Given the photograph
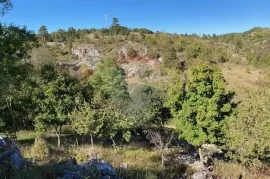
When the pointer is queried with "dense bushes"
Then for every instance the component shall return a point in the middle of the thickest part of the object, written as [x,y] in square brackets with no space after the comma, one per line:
[249,134]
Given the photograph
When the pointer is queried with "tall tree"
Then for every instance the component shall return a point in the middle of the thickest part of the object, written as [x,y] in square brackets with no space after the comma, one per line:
[205,107]
[43,33]
[115,22]
[56,95]
[15,42]
[115,27]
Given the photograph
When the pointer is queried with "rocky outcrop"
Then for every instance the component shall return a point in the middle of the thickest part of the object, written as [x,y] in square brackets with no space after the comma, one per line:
[86,54]
[93,168]
[134,51]
[10,154]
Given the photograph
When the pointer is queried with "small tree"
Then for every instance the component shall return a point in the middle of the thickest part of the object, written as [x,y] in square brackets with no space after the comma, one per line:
[204,108]
[85,121]
[162,139]
[145,107]
[112,119]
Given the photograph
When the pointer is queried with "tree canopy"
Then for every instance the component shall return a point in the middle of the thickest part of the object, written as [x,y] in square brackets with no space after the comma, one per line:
[204,108]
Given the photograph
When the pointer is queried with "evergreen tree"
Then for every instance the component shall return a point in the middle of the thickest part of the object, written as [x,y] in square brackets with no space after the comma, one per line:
[109,80]
[203,107]
[43,33]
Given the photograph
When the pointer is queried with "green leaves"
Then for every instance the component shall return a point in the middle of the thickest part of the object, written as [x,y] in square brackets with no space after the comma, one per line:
[249,132]
[201,105]
[56,94]
[109,80]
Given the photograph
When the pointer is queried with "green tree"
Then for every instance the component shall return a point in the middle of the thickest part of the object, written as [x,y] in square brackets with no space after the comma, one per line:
[115,22]
[109,80]
[145,107]
[85,121]
[56,94]
[202,107]
[112,119]
[43,33]
[249,132]
[15,42]
[170,59]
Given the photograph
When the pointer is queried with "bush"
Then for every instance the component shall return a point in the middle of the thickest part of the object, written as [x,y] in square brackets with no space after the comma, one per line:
[40,149]
[249,134]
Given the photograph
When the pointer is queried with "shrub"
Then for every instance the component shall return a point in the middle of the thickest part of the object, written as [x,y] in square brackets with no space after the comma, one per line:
[40,149]
[249,134]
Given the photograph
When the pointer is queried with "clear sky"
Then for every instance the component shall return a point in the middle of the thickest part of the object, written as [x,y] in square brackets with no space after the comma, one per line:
[174,16]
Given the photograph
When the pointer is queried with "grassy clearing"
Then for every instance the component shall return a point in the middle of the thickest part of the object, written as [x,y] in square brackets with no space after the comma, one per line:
[135,160]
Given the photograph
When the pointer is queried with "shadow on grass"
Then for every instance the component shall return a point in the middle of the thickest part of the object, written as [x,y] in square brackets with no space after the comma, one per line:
[53,171]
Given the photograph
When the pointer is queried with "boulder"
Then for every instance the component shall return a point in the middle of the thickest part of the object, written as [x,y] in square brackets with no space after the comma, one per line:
[93,168]
[10,154]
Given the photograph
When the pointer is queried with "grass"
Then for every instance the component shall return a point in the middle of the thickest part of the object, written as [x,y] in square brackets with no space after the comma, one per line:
[133,161]
[230,170]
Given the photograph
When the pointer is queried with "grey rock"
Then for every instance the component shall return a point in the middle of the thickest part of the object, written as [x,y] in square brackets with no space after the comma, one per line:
[200,174]
[16,160]
[87,55]
[11,154]
[92,168]
[71,175]
[3,143]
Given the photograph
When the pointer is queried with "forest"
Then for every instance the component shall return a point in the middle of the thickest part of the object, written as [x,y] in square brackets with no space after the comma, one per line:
[151,104]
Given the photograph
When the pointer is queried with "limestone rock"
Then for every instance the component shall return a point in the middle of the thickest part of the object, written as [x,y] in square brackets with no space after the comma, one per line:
[93,168]
[86,54]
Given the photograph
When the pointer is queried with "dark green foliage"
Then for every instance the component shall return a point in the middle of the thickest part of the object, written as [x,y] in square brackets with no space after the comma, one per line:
[57,94]
[43,34]
[143,31]
[205,107]
[170,59]
[112,119]
[14,105]
[15,48]
[109,80]
[146,106]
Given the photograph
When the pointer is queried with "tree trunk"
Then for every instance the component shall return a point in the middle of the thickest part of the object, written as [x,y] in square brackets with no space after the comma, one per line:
[201,156]
[77,143]
[58,134]
[162,160]
[58,140]
[92,142]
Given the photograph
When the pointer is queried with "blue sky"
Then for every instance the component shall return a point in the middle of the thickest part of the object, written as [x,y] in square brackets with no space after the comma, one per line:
[174,16]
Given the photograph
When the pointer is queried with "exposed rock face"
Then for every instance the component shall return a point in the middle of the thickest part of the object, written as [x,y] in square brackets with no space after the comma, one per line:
[94,168]
[134,51]
[10,154]
[86,54]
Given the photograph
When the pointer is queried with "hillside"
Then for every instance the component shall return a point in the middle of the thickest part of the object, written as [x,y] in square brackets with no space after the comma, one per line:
[151,104]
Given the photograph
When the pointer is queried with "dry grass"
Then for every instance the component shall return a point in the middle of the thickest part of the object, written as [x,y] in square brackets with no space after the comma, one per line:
[131,156]
[240,78]
[235,171]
